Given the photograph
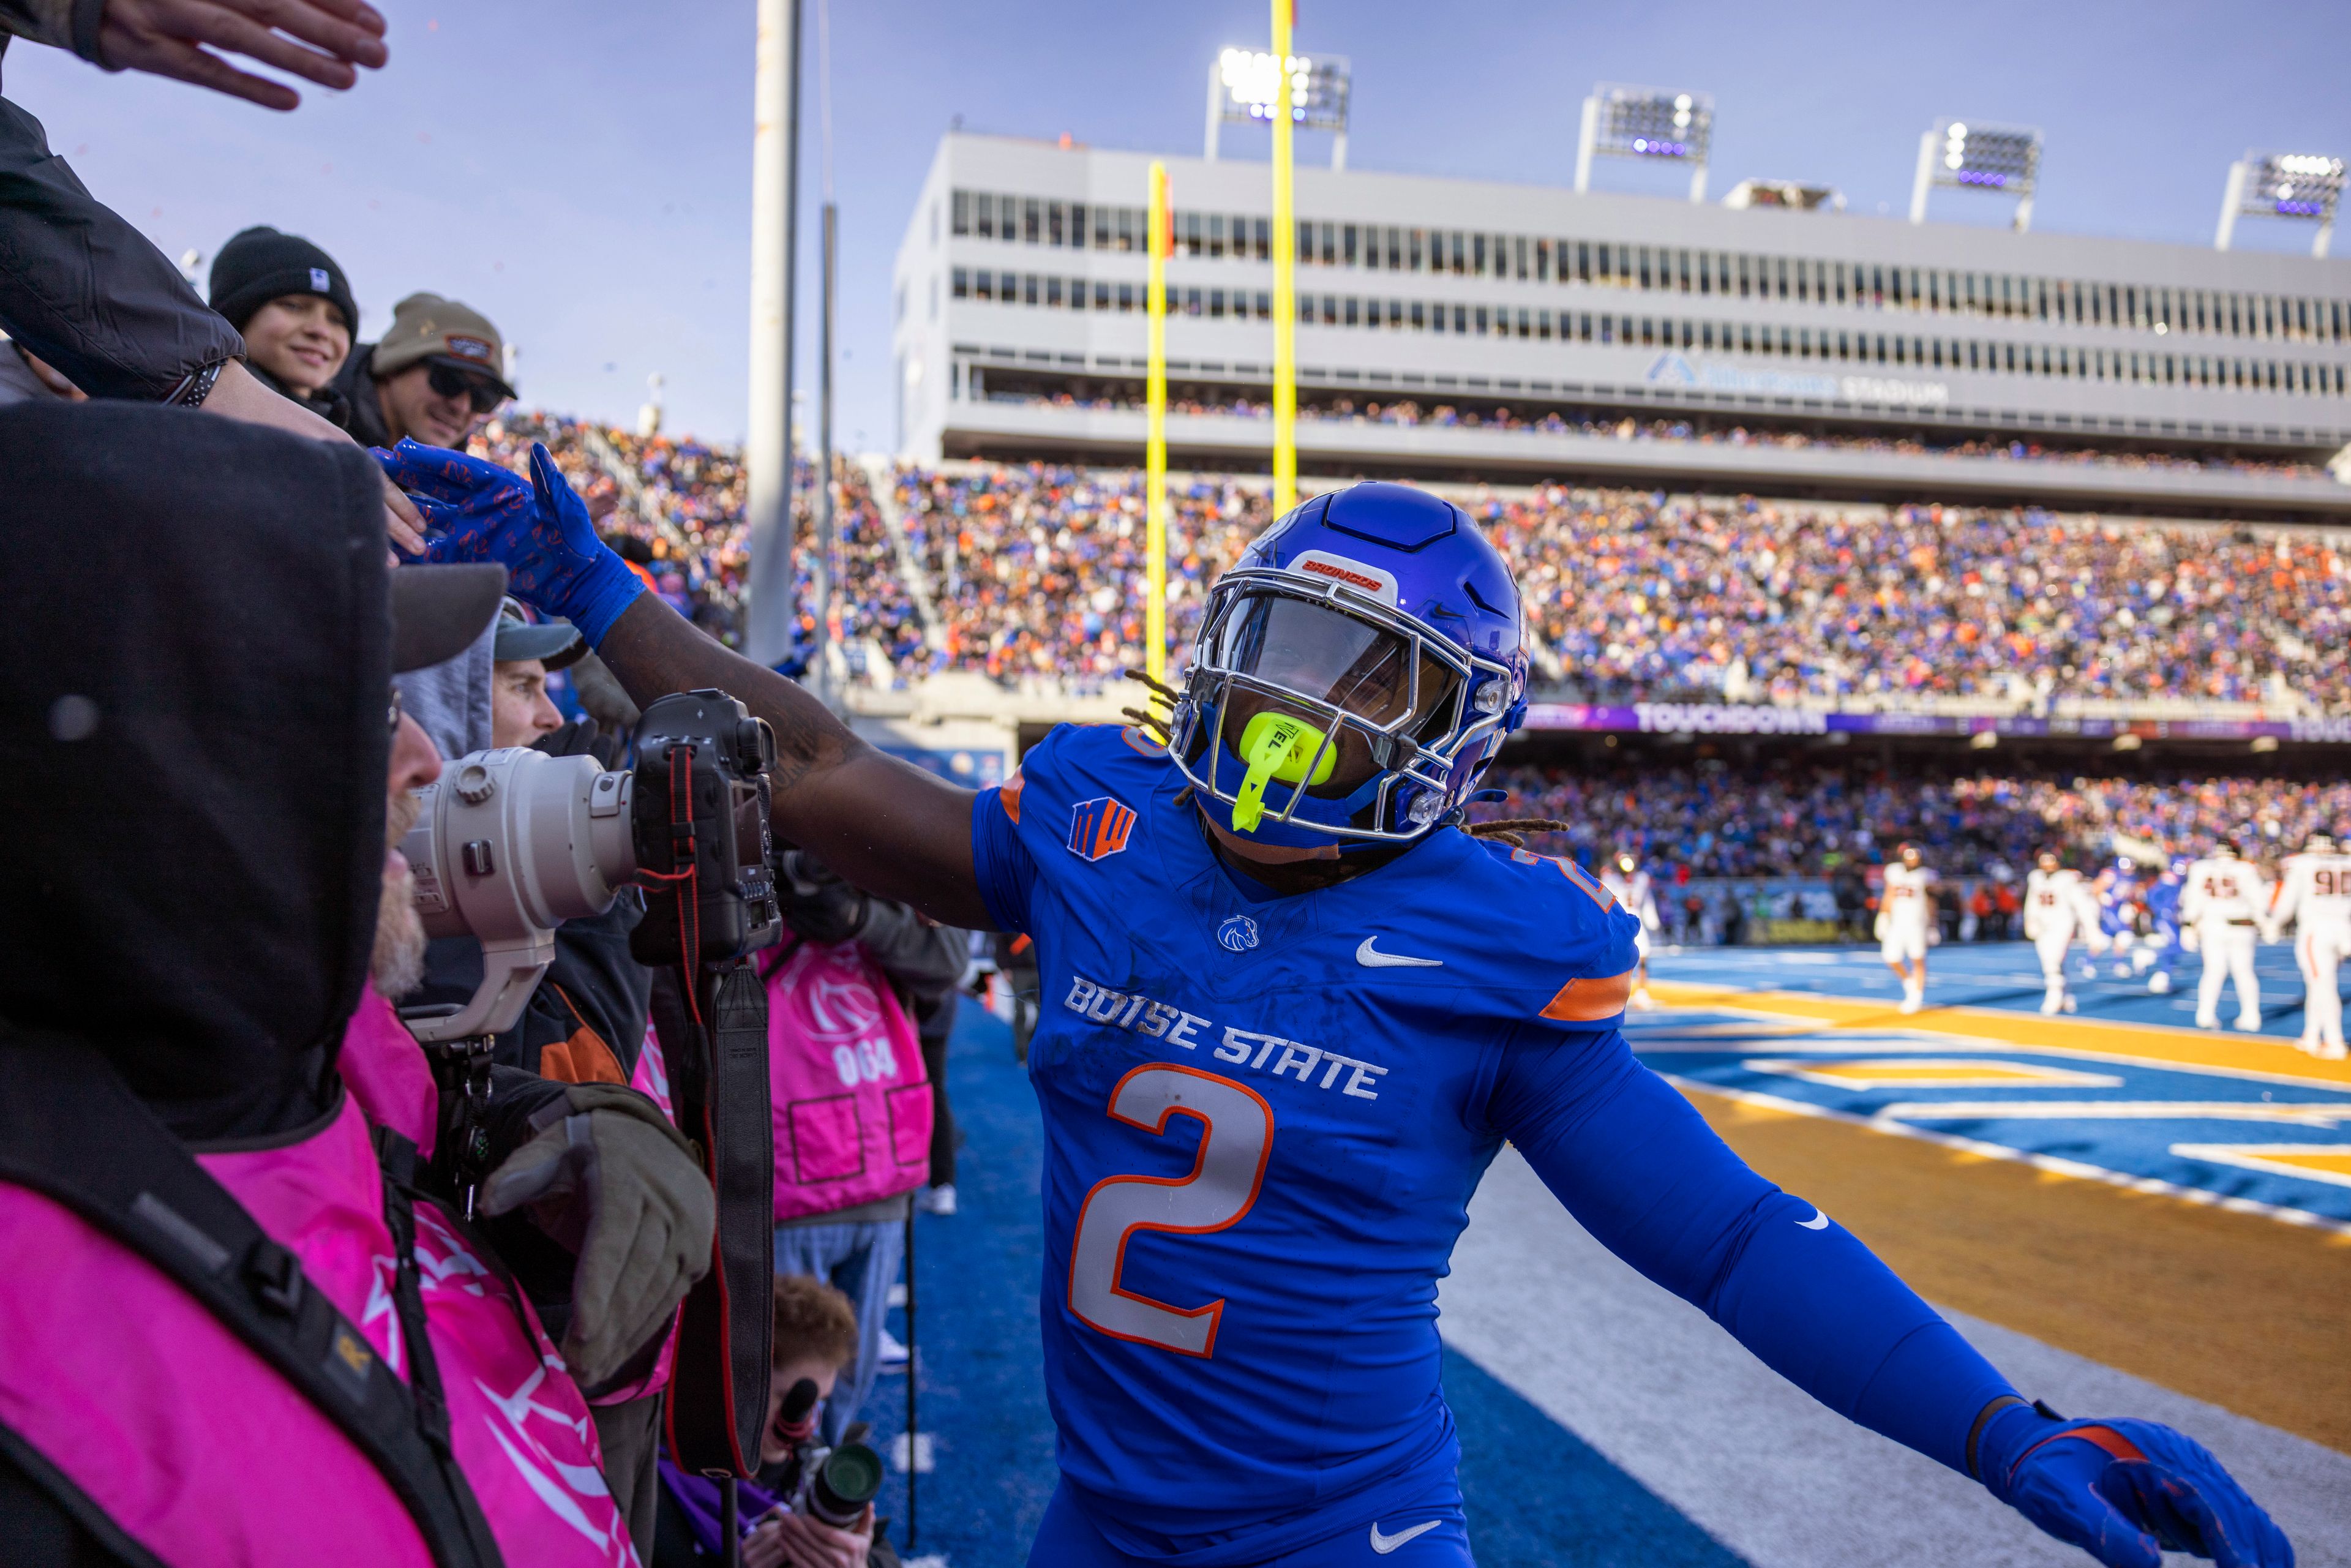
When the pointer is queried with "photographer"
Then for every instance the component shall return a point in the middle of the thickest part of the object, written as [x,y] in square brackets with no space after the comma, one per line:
[815,1340]
[586,1020]
[841,992]
[584,1025]
[202,1347]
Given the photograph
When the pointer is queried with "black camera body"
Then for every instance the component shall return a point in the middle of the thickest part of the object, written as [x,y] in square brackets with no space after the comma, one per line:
[699,816]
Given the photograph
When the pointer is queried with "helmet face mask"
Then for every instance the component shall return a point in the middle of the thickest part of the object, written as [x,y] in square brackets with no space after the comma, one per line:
[1388,719]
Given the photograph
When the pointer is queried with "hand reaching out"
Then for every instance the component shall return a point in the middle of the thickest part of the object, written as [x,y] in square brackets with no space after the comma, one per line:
[317,40]
[537,529]
[2125,1491]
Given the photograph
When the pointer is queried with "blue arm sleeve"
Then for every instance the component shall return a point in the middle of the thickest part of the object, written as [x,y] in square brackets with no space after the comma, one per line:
[1640,1169]
[1006,872]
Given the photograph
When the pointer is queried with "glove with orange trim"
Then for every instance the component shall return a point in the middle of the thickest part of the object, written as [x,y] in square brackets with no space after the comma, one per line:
[2124,1491]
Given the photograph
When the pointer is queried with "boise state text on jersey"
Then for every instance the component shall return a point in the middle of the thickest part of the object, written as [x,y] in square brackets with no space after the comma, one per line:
[1265,1119]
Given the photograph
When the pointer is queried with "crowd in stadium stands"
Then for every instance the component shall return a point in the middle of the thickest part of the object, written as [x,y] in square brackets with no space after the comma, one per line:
[1813,822]
[1036,572]
[1039,571]
[1633,597]
[684,503]
[1408,411]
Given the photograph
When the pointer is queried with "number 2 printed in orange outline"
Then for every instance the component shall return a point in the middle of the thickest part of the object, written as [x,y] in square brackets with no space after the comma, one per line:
[1236,1140]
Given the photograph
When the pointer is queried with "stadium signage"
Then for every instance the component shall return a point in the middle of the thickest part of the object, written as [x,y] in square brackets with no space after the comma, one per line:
[1679,369]
[1739,718]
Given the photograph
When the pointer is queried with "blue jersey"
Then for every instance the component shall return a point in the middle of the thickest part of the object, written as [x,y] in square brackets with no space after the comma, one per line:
[2117,897]
[2163,906]
[1264,1118]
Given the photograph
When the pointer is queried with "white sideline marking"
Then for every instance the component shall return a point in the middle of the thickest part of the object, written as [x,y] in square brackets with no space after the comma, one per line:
[925,1459]
[1786,1483]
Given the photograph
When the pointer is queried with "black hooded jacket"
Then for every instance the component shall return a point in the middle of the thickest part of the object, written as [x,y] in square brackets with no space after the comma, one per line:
[192,751]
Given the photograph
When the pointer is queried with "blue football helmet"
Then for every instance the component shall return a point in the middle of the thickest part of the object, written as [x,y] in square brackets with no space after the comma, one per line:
[1354,673]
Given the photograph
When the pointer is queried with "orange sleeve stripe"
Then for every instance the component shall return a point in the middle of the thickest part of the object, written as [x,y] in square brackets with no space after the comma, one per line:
[1009,797]
[1592,998]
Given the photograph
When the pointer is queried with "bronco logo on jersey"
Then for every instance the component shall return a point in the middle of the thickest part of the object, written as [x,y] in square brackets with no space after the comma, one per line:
[1099,827]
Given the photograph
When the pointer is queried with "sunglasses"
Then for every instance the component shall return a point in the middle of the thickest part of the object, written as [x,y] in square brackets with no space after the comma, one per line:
[395,712]
[448,381]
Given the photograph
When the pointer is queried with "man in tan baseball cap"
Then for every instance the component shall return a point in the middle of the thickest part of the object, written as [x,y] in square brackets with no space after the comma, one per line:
[436,373]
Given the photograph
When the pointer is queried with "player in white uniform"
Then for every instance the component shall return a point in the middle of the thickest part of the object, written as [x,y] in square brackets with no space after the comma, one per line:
[1632,887]
[2226,895]
[1906,915]
[2057,904]
[2314,893]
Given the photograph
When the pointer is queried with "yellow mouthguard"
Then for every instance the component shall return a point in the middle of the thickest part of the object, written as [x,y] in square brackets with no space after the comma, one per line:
[1278,746]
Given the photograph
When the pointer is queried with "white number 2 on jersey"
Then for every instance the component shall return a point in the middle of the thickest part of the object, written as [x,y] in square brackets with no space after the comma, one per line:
[1236,1139]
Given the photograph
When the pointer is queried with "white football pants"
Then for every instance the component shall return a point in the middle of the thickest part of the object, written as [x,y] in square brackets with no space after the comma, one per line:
[2228,956]
[2319,949]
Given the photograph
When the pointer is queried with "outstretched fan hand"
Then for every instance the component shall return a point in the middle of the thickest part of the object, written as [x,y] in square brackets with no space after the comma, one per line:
[538,528]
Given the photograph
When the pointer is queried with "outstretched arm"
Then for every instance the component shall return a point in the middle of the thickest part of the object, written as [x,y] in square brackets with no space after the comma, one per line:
[885,825]
[1643,1174]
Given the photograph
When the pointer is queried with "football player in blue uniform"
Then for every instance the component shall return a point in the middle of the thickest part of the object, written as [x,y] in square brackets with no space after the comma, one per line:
[2163,916]
[2119,890]
[1290,1011]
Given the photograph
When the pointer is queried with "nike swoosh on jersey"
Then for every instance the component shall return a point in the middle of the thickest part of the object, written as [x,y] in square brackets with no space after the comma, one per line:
[1819,1221]
[1384,1545]
[1371,957]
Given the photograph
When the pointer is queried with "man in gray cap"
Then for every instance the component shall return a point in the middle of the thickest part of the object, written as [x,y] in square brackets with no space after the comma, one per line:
[433,378]
[524,655]
[436,373]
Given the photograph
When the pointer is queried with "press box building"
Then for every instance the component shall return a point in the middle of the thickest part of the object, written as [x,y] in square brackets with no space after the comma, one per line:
[1525,325]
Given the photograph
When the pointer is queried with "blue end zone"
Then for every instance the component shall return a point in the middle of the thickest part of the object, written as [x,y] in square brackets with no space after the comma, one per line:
[1538,1496]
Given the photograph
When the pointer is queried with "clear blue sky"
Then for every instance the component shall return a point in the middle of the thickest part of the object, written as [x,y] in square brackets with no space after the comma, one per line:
[580,171]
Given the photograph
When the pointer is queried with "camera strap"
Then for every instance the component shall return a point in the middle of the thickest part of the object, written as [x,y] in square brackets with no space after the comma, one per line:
[718,1080]
[150,1194]
[461,1146]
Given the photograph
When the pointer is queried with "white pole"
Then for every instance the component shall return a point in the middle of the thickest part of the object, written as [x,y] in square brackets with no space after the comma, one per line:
[2319,242]
[826,527]
[1926,177]
[1339,151]
[1216,111]
[767,443]
[2023,213]
[1585,140]
[2232,196]
[1697,184]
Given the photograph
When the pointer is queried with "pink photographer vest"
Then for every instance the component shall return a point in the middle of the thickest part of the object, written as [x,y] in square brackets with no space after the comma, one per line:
[853,1104]
[199,1452]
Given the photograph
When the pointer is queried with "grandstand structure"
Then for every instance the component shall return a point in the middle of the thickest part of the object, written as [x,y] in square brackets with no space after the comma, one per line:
[1470,329]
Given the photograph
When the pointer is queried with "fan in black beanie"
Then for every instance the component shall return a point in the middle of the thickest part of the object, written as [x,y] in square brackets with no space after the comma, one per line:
[294,307]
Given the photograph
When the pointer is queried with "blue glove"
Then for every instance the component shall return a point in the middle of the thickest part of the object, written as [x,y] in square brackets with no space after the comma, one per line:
[539,530]
[2125,1491]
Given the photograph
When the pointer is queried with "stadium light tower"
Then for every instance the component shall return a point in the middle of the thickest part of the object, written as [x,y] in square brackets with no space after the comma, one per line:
[2302,185]
[1647,123]
[1243,84]
[2005,159]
